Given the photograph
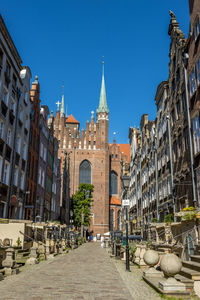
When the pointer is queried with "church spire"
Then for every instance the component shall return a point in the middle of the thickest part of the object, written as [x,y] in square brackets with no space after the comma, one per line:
[62,110]
[103,101]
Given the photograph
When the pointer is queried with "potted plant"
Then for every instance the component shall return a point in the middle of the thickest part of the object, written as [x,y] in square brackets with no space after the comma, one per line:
[169,219]
[154,220]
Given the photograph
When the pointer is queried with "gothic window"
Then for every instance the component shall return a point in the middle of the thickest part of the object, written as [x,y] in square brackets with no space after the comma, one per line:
[113,183]
[111,219]
[118,219]
[85,172]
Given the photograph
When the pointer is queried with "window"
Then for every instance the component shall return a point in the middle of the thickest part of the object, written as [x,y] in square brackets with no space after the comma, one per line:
[196,135]
[178,111]
[1,57]
[1,165]
[43,179]
[180,145]
[21,113]
[113,183]
[8,139]
[26,97]
[8,68]
[183,99]
[118,219]
[173,116]
[24,151]
[111,219]
[22,181]
[175,151]
[12,106]
[18,144]
[40,176]
[116,155]
[198,71]
[41,150]
[197,28]
[85,172]
[192,81]
[185,135]
[1,129]
[16,172]
[6,173]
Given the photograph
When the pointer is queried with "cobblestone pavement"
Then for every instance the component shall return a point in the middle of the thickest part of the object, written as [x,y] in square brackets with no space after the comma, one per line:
[85,273]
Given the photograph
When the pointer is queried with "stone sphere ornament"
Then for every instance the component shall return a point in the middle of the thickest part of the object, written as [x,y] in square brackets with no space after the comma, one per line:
[170,264]
[151,258]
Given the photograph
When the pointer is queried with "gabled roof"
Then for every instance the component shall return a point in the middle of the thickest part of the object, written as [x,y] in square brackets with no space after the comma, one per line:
[72,120]
[125,148]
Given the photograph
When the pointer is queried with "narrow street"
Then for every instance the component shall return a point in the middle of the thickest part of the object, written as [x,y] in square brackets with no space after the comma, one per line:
[85,273]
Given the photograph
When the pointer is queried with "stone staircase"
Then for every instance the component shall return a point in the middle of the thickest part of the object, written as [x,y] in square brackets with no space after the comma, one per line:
[191,269]
[21,256]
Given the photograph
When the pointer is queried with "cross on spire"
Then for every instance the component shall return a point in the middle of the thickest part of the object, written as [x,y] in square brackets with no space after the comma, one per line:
[58,105]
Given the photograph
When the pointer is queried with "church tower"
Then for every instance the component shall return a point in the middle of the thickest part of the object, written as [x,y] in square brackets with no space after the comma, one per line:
[88,153]
[103,116]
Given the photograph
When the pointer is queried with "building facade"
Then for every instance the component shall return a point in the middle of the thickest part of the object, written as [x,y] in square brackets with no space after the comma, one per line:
[193,70]
[14,127]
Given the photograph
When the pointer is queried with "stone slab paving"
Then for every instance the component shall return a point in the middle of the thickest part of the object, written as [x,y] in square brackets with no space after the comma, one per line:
[87,273]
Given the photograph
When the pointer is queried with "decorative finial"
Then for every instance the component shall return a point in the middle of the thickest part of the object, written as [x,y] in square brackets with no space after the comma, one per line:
[103,65]
[36,79]
[63,87]
[172,14]
[58,105]
[92,112]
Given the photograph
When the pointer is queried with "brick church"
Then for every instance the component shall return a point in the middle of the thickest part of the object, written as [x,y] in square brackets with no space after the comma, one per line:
[93,160]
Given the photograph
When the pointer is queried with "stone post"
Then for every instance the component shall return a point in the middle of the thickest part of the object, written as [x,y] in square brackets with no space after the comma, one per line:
[171,265]
[137,255]
[151,258]
[9,263]
[32,260]
[47,248]
[142,252]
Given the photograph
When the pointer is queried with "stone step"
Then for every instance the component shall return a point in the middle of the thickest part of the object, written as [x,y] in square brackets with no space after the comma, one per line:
[189,283]
[191,274]
[160,249]
[193,265]
[195,258]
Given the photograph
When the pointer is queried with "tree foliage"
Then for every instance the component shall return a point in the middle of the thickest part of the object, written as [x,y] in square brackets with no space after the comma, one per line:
[82,201]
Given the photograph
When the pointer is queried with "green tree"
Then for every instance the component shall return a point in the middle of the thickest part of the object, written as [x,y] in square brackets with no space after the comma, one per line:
[82,201]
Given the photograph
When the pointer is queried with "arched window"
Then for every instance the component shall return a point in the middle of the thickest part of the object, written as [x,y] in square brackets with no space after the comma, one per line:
[113,183]
[118,219]
[85,172]
[111,219]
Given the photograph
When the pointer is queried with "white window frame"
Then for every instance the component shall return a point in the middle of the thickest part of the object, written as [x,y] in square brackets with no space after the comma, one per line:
[2,125]
[6,173]
[192,82]
[198,70]
[9,137]
[197,28]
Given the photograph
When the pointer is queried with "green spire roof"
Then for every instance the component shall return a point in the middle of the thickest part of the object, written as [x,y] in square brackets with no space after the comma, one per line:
[103,107]
[62,110]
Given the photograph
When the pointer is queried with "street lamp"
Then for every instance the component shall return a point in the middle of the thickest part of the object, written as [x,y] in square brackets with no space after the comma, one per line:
[71,216]
[126,181]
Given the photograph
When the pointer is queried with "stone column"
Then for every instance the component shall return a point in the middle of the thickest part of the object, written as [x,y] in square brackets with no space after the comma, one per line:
[8,263]
[137,255]
[47,248]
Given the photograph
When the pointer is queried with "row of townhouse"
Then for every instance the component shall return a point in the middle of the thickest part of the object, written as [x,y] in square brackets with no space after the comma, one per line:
[30,170]
[165,153]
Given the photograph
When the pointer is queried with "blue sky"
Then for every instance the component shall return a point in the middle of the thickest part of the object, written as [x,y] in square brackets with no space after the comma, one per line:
[65,40]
